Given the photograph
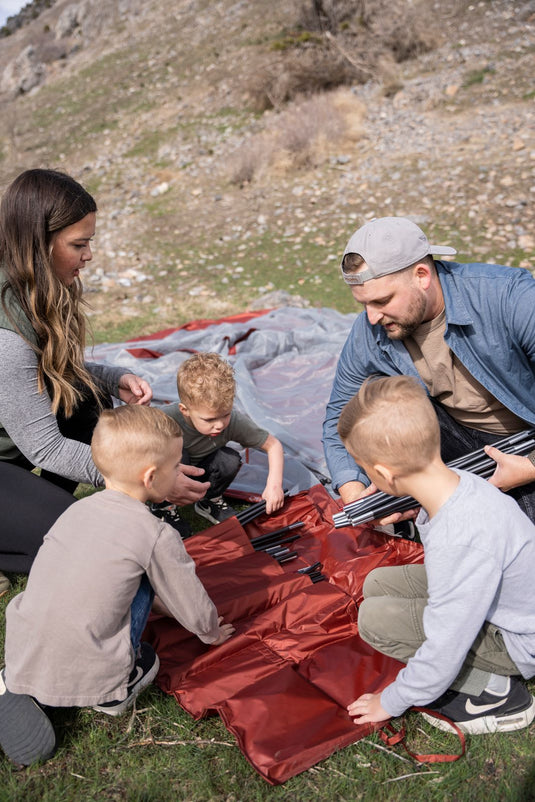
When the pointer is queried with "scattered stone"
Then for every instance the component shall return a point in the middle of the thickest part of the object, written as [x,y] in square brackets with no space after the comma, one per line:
[526,242]
[161,189]
[276,299]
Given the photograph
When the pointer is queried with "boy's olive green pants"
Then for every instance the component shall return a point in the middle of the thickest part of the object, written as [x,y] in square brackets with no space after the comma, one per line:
[391,620]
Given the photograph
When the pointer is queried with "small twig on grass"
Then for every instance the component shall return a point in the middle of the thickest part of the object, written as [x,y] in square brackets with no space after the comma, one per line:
[406,776]
[196,742]
[131,720]
[341,774]
[424,733]
[388,751]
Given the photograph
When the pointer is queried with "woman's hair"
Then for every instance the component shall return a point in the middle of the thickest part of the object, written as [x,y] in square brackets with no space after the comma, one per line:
[391,421]
[128,439]
[37,205]
[206,380]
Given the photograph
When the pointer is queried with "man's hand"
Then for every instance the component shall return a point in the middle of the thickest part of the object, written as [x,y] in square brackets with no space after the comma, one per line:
[511,470]
[351,491]
[134,390]
[225,631]
[367,708]
[187,490]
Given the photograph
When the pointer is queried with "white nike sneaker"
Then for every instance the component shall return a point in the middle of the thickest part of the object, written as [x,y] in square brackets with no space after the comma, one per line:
[145,669]
[488,712]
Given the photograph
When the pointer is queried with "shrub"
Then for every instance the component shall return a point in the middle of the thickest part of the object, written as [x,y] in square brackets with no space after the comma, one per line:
[302,135]
[337,42]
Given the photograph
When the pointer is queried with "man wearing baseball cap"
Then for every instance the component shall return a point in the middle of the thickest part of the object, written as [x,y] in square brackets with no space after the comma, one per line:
[466,331]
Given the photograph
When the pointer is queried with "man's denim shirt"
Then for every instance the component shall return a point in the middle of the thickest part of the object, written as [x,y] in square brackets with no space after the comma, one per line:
[490,327]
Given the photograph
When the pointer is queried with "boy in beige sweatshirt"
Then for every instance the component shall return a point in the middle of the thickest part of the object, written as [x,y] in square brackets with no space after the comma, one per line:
[73,636]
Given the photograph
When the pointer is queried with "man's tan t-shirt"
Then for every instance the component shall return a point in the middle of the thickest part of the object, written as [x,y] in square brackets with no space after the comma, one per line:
[450,383]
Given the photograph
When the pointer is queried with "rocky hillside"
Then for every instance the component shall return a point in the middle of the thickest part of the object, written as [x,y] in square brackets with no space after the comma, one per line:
[229,166]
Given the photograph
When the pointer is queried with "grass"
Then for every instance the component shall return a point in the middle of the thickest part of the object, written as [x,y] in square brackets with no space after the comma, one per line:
[477,76]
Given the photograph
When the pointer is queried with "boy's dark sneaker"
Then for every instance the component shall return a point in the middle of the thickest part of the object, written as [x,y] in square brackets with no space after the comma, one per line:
[169,513]
[214,510]
[488,712]
[26,733]
[145,669]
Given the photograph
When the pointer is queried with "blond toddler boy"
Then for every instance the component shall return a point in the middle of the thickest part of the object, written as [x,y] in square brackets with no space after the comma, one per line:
[463,622]
[205,413]
[73,636]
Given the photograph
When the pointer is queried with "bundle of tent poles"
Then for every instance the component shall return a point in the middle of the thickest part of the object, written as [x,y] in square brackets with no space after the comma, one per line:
[277,542]
[254,511]
[380,505]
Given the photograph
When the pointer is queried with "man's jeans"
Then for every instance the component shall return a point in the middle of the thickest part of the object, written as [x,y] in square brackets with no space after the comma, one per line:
[458,440]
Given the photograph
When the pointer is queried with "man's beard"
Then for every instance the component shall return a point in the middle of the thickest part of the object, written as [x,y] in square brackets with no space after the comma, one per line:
[412,320]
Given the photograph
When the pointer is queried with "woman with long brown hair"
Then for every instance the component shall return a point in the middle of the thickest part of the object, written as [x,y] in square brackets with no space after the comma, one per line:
[50,397]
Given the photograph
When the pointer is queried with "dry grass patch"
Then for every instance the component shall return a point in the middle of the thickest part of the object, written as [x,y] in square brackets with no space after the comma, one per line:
[304,135]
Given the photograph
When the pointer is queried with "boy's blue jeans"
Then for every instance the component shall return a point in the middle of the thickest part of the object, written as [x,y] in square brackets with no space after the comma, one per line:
[139,611]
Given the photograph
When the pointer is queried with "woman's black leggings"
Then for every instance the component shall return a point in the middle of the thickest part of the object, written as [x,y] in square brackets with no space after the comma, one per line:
[30,504]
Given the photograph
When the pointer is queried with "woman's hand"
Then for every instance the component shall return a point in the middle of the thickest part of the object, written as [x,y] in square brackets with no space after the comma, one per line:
[134,390]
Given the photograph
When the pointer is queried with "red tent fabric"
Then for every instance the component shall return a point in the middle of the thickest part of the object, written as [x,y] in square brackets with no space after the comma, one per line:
[282,682]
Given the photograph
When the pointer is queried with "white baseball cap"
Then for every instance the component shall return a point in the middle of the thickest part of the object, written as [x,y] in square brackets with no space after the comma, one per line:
[389,244]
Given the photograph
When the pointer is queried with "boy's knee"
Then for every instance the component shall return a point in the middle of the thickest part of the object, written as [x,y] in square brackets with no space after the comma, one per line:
[231,459]
[376,617]
[368,620]
[373,584]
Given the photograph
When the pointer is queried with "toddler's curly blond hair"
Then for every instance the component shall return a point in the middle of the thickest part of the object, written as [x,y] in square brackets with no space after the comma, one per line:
[207,380]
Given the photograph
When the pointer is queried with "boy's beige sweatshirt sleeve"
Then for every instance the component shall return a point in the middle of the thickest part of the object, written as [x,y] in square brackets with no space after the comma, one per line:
[174,579]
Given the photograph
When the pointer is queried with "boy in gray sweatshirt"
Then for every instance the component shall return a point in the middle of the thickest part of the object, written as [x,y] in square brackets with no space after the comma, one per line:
[464,621]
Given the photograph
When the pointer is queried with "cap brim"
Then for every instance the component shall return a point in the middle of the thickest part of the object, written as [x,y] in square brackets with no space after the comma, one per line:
[442,250]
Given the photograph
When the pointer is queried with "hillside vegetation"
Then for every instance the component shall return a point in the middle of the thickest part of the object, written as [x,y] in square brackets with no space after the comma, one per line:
[232,151]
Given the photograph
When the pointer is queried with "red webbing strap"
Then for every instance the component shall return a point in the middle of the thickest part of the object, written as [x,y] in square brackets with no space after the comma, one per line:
[398,737]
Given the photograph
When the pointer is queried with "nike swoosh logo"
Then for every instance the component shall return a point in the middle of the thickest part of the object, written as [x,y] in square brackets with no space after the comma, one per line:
[139,674]
[474,710]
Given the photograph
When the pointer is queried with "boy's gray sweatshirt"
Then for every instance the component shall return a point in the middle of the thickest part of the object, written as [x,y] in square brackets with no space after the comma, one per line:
[479,557]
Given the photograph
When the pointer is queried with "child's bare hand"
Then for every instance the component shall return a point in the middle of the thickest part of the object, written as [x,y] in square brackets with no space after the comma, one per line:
[225,631]
[367,708]
[274,498]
